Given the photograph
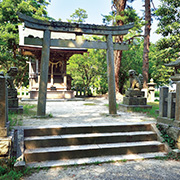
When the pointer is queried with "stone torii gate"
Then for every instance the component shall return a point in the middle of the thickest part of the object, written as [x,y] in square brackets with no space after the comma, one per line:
[79,29]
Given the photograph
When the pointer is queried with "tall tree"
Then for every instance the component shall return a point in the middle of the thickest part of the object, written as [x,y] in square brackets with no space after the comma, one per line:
[9,35]
[168,46]
[119,5]
[89,70]
[123,14]
[79,16]
[145,68]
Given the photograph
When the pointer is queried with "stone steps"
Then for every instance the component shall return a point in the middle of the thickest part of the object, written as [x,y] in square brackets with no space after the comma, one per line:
[86,151]
[96,160]
[83,129]
[83,139]
[68,144]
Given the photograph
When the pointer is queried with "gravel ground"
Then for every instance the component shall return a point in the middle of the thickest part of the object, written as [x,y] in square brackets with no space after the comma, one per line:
[94,111]
[133,170]
[90,111]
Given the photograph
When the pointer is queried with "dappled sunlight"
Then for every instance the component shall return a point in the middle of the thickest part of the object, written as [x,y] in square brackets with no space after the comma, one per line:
[75,112]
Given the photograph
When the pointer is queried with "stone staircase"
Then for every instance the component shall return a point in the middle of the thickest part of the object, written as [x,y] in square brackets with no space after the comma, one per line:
[58,146]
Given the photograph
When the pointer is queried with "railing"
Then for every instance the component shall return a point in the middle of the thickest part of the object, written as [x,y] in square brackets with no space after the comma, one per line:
[23,92]
[82,92]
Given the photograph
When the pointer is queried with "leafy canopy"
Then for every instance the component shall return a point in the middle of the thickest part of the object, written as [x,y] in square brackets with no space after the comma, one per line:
[168,47]
[79,16]
[9,35]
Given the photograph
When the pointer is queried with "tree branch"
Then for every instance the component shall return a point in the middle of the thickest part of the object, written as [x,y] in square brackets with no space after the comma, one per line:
[130,40]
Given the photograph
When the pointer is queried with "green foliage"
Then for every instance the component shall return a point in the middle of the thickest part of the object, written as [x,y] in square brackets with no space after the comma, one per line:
[89,104]
[129,16]
[168,47]
[89,70]
[8,172]
[149,112]
[157,93]
[171,142]
[78,16]
[169,156]
[9,34]
[14,119]
[29,109]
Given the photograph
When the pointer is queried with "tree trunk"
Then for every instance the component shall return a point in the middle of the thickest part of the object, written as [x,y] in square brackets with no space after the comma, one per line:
[146,43]
[119,6]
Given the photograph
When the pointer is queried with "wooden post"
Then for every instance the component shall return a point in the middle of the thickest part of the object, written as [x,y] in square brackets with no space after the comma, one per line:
[52,77]
[41,110]
[111,75]
[65,82]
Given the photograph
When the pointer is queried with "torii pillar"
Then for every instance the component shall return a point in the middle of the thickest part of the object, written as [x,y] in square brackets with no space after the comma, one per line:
[41,109]
[111,76]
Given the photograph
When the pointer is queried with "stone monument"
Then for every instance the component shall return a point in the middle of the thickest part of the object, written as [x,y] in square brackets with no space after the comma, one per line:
[12,91]
[4,125]
[5,141]
[134,97]
[176,66]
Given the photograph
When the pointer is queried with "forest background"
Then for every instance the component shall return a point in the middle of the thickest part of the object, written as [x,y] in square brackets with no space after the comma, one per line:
[90,70]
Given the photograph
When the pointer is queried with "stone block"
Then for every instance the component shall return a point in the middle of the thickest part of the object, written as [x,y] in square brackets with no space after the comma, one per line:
[134,101]
[3,132]
[163,102]
[171,105]
[174,133]
[125,108]
[4,147]
[13,103]
[176,152]
[134,93]
[12,93]
[165,121]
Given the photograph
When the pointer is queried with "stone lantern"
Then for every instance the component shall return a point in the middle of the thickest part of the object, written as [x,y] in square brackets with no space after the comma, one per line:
[151,90]
[176,66]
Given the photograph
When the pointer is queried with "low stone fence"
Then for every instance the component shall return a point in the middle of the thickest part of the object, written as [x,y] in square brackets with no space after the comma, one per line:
[82,92]
[23,92]
[169,112]
[167,103]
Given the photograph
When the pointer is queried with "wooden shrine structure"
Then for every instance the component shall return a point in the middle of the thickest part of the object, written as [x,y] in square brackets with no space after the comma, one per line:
[78,29]
[59,82]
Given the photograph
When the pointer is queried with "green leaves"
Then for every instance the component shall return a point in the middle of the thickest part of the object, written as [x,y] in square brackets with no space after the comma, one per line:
[89,70]
[168,47]
[9,34]
[78,16]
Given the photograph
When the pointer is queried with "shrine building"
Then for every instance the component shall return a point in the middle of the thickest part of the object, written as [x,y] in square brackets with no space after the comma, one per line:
[59,82]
